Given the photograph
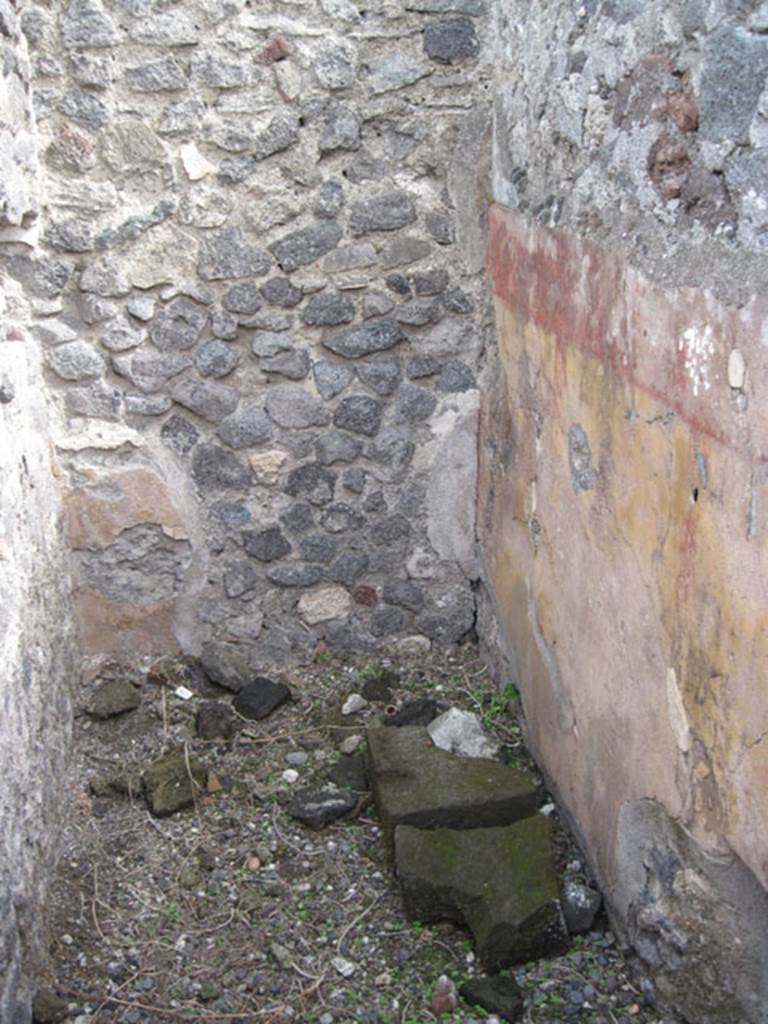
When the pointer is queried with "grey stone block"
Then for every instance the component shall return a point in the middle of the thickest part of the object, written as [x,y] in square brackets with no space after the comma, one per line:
[266,545]
[243,298]
[246,427]
[330,378]
[732,79]
[313,482]
[207,398]
[328,309]
[381,376]
[329,200]
[319,548]
[336,447]
[179,325]
[387,210]
[295,575]
[76,360]
[294,364]
[359,414]
[363,340]
[290,405]
[216,359]
[414,403]
[451,39]
[214,468]
[283,132]
[226,254]
[165,74]
[301,248]
[341,130]
[280,291]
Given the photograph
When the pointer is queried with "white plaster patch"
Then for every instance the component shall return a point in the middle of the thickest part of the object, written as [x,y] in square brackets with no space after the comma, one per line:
[698,346]
[195,164]
[678,719]
[736,369]
[104,436]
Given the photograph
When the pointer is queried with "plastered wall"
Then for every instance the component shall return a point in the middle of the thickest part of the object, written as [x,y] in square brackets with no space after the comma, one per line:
[623,452]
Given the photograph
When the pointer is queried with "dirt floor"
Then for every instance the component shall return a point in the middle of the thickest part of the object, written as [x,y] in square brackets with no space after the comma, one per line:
[233,911]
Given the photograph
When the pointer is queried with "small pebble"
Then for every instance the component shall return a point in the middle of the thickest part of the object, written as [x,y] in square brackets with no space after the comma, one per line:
[296,757]
[350,744]
[382,980]
[290,775]
[345,967]
[353,704]
[67,939]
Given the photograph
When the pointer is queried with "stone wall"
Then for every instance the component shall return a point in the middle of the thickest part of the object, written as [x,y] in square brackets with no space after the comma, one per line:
[36,635]
[262,304]
[623,460]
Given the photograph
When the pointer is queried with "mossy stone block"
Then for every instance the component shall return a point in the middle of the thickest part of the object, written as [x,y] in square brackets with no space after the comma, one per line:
[172,782]
[415,783]
[500,882]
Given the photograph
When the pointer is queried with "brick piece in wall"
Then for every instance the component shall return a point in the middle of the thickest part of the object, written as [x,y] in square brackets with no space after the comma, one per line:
[451,39]
[359,414]
[86,24]
[331,378]
[312,482]
[209,399]
[266,545]
[227,254]
[328,310]
[414,403]
[246,427]
[363,340]
[214,468]
[382,376]
[386,210]
[165,74]
[301,248]
[178,326]
[290,405]
[216,359]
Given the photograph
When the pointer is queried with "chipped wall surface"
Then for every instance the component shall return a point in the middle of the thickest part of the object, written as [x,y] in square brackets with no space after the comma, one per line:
[262,303]
[36,632]
[623,487]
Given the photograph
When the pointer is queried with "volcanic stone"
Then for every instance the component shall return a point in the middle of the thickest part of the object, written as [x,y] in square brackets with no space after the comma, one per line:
[266,545]
[279,291]
[306,246]
[330,378]
[350,772]
[214,720]
[416,784]
[500,995]
[316,807]
[258,698]
[250,425]
[178,326]
[313,482]
[382,376]
[113,697]
[215,359]
[325,310]
[451,39]
[500,882]
[172,783]
[387,211]
[364,339]
[226,254]
[207,398]
[359,414]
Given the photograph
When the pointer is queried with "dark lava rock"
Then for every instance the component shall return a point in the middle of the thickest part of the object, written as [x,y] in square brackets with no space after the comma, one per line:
[415,783]
[215,720]
[350,772]
[225,664]
[113,697]
[500,882]
[580,906]
[317,807]
[258,698]
[379,683]
[172,782]
[500,995]
[420,711]
[451,39]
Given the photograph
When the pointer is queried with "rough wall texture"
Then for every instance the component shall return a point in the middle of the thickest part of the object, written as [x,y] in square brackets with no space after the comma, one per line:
[36,636]
[623,460]
[262,305]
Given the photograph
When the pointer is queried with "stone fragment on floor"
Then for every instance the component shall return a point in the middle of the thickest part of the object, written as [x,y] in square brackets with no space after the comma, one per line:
[461,733]
[214,720]
[500,995]
[260,697]
[416,784]
[113,697]
[500,882]
[319,806]
[172,782]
